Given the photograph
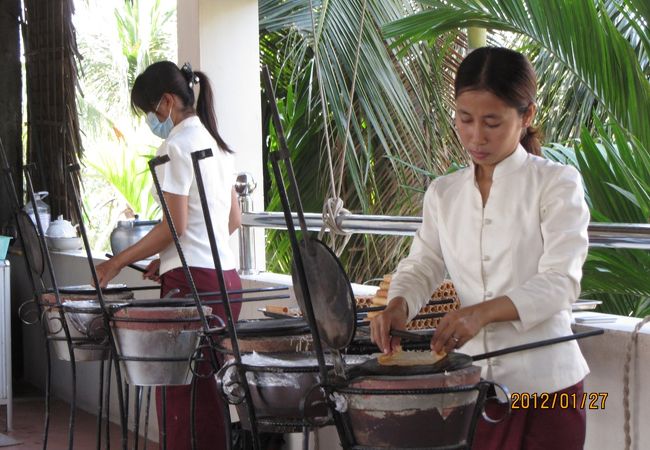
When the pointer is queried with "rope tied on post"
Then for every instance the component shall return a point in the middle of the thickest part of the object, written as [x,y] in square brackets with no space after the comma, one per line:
[631,345]
[332,210]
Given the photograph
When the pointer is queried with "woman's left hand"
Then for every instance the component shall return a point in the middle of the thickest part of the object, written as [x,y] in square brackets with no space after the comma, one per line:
[456,328]
[152,271]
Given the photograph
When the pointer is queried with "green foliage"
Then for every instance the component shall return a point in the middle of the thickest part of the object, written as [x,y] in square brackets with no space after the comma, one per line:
[133,35]
[616,173]
[140,26]
[566,103]
[400,113]
[130,36]
[300,133]
[129,175]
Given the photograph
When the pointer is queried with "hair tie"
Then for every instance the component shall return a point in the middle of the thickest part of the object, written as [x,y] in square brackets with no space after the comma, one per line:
[189,75]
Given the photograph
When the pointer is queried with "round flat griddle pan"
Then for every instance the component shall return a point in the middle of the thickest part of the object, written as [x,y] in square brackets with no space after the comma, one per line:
[271,327]
[455,360]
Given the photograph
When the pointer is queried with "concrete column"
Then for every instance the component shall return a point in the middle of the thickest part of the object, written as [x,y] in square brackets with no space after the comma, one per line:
[221,38]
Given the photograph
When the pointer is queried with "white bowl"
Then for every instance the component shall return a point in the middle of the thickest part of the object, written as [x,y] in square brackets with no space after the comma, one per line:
[64,243]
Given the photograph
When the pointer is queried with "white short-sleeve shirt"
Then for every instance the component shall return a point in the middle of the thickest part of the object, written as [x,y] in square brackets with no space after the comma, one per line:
[529,242]
[177,177]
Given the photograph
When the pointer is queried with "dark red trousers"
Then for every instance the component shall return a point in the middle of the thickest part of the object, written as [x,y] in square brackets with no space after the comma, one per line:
[535,428]
[209,420]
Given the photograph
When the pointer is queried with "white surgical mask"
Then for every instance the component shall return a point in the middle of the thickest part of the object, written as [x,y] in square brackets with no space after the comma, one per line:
[160,129]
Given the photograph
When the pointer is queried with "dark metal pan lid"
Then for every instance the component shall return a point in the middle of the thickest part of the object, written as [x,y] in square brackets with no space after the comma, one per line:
[31,243]
[330,292]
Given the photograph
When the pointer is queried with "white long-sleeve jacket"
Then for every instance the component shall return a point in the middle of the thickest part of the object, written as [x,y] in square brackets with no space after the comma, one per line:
[529,242]
[177,177]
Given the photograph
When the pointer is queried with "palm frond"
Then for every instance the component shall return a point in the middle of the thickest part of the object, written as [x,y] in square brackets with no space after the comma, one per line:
[129,175]
[579,34]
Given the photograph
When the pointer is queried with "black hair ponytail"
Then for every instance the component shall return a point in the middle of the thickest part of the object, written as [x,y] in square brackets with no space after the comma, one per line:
[205,110]
[165,77]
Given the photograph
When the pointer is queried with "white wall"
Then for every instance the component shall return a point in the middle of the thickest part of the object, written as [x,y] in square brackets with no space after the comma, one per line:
[221,39]
[606,357]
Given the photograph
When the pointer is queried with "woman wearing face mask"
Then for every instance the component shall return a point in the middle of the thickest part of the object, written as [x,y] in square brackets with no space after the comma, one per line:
[165,94]
[510,231]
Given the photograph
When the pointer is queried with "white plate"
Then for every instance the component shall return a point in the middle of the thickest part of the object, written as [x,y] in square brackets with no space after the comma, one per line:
[585,305]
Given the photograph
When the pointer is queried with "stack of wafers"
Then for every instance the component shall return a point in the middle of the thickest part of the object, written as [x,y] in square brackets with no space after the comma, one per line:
[381,296]
[364,301]
[443,300]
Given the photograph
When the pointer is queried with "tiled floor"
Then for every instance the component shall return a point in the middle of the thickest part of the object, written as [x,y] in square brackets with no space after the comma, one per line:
[28,427]
[28,416]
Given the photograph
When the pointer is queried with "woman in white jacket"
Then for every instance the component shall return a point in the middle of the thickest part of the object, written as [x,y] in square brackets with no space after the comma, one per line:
[510,231]
[165,93]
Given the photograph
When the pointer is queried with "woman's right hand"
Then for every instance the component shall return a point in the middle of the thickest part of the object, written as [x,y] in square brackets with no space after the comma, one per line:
[152,271]
[106,271]
[395,317]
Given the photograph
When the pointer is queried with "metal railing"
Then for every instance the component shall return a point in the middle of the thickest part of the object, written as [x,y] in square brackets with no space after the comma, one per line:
[620,235]
[353,223]
[602,235]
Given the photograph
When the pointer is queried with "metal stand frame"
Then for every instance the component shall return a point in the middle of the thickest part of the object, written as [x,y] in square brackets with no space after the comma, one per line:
[209,344]
[255,423]
[108,343]
[52,316]
[110,319]
[41,310]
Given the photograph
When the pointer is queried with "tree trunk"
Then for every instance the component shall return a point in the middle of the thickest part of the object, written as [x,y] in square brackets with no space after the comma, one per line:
[11,110]
[51,74]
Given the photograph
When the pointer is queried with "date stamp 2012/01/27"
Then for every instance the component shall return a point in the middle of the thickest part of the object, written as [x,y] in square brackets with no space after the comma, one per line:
[563,400]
